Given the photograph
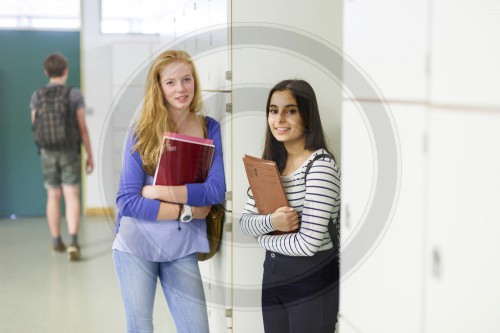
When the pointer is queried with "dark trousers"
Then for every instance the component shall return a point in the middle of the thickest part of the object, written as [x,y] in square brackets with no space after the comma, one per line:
[300,294]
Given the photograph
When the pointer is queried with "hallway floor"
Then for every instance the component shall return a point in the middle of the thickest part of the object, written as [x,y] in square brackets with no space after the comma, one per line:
[42,292]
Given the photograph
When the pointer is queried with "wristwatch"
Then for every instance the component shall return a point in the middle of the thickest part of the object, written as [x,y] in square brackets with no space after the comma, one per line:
[186,215]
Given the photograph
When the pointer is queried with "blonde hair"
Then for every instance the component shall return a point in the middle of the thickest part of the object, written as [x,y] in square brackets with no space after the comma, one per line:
[154,118]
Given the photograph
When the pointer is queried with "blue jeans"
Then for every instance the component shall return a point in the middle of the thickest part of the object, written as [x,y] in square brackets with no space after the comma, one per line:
[182,286]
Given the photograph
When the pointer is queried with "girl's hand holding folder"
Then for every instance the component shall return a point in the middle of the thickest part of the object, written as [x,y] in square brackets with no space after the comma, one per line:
[174,194]
[285,219]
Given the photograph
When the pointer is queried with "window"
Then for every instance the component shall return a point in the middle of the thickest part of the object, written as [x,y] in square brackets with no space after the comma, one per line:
[37,14]
[136,16]
[117,16]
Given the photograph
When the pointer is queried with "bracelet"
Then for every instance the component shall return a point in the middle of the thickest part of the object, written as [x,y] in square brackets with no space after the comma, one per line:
[181,207]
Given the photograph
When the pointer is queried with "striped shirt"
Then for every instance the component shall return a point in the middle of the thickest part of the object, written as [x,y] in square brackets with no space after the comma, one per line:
[315,203]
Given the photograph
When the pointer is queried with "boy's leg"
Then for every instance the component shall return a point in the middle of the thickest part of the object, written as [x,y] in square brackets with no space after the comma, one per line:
[70,164]
[54,211]
[52,182]
[72,202]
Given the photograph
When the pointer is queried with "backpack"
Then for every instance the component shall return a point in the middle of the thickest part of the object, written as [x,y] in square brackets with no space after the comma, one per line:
[55,126]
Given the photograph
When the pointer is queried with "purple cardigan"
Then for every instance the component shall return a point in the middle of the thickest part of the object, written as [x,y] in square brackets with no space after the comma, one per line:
[137,230]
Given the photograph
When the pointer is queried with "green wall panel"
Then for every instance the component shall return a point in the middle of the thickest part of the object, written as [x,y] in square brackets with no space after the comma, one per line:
[21,72]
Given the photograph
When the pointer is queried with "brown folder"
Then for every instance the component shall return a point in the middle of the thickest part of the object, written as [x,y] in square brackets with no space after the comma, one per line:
[265,183]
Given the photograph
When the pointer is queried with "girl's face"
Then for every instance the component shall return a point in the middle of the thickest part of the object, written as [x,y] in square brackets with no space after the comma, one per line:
[177,85]
[284,119]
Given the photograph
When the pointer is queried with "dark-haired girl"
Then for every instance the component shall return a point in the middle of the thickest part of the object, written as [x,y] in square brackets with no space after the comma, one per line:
[301,270]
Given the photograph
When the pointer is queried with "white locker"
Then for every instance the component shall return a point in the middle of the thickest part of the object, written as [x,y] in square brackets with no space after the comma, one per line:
[387,39]
[465,52]
[462,271]
[384,293]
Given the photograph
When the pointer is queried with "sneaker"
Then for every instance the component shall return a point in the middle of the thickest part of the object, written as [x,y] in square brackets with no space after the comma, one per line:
[60,248]
[74,252]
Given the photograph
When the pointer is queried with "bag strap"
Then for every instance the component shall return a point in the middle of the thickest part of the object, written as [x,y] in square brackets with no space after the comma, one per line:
[205,127]
[205,135]
[71,113]
[333,225]
[68,92]
[311,162]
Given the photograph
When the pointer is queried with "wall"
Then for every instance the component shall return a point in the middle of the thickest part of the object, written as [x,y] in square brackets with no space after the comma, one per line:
[21,73]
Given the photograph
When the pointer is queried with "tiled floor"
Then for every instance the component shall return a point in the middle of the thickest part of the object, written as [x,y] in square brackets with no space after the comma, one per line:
[41,292]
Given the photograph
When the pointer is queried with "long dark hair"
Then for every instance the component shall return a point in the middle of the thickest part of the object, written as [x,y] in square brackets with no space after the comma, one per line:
[308,109]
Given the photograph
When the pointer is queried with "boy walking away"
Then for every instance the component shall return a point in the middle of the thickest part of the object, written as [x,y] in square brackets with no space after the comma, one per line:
[59,129]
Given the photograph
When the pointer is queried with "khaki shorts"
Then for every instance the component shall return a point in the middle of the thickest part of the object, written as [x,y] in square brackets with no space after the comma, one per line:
[61,167]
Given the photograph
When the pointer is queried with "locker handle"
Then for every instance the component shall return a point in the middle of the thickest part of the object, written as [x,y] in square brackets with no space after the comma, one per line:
[347,217]
[436,263]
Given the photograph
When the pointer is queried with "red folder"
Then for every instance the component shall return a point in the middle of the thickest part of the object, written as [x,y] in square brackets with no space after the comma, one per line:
[185,159]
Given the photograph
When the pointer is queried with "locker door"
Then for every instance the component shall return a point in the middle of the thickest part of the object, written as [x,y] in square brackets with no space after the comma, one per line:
[462,270]
[384,293]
